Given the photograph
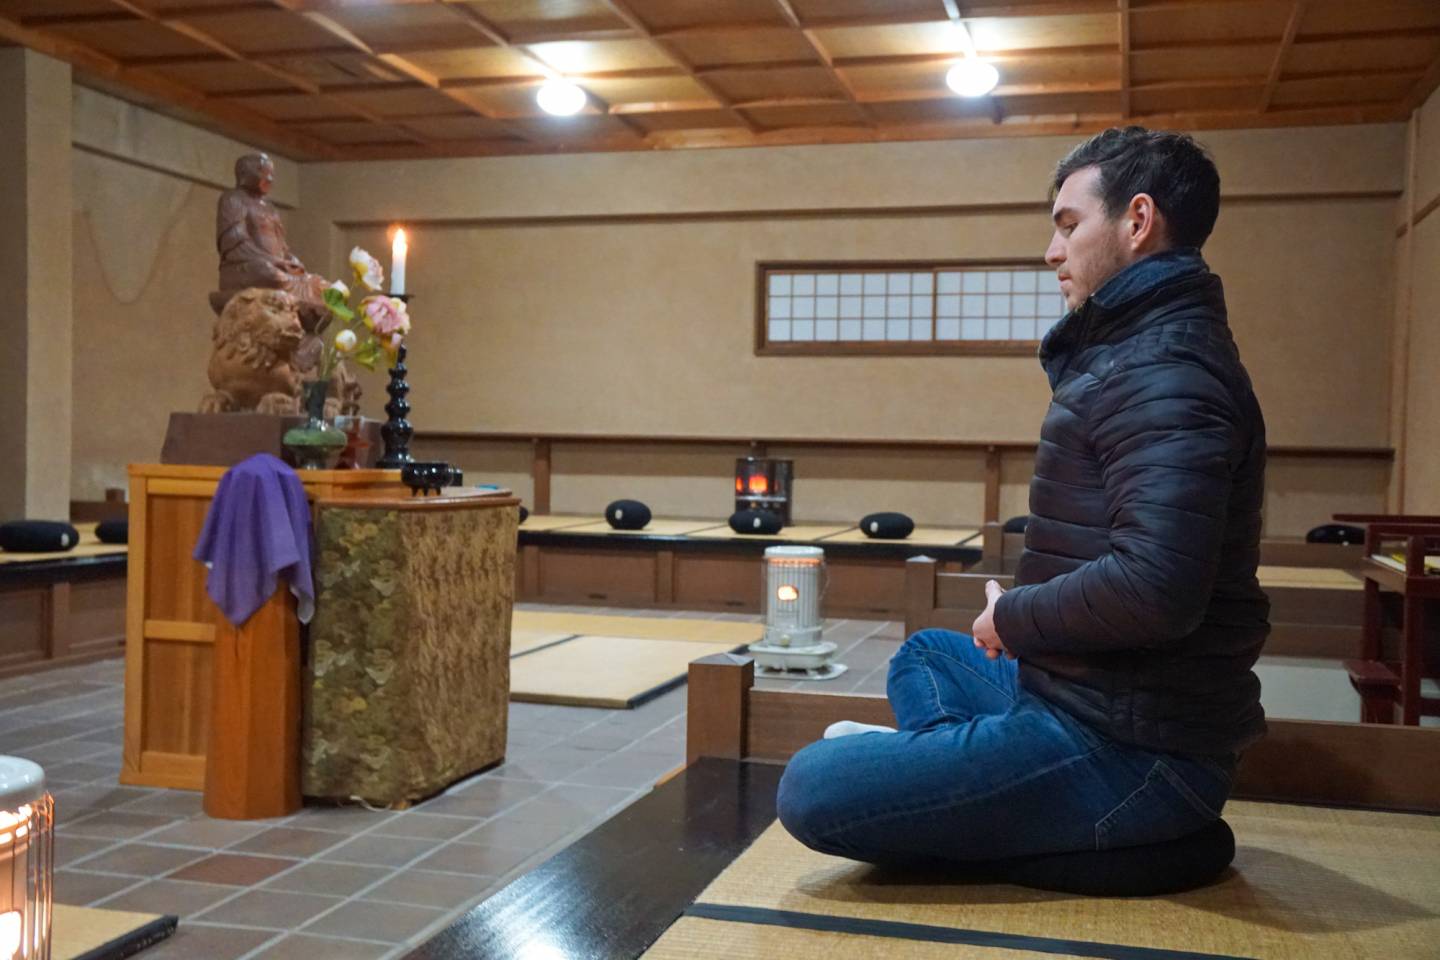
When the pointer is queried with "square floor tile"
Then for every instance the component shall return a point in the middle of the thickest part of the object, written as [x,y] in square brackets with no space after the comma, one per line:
[427,888]
[300,946]
[330,879]
[192,941]
[115,824]
[79,889]
[272,909]
[379,851]
[289,842]
[236,869]
[425,826]
[142,859]
[169,896]
[368,920]
[473,858]
[208,834]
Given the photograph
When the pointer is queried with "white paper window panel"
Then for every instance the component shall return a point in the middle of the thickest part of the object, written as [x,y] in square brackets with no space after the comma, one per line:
[851,284]
[972,328]
[779,329]
[897,329]
[897,283]
[1043,325]
[802,330]
[851,307]
[874,284]
[996,305]
[804,285]
[780,284]
[850,329]
[1051,305]
[829,307]
[827,329]
[802,308]
[948,282]
[1022,305]
[919,329]
[874,307]
[973,281]
[972,305]
[1023,328]
[947,328]
[922,283]
[1024,281]
[898,306]
[947,305]
[997,328]
[998,281]
[779,308]
[827,284]
[920,306]
[873,330]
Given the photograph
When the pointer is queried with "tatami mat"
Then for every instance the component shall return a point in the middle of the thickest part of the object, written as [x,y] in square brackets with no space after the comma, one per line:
[694,938]
[554,521]
[605,671]
[1322,577]
[801,532]
[655,528]
[658,628]
[523,641]
[96,934]
[921,536]
[89,546]
[1307,883]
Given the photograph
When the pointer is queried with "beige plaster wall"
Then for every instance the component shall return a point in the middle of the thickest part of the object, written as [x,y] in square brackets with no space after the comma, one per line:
[1422,402]
[145,188]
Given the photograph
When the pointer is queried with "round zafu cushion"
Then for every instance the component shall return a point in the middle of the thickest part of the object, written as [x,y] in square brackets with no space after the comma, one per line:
[627,515]
[113,531]
[887,526]
[37,536]
[1174,866]
[755,521]
[1016,524]
[1336,533]
[523,513]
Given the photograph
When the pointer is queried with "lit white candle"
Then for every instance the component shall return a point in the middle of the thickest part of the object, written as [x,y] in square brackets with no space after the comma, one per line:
[397,262]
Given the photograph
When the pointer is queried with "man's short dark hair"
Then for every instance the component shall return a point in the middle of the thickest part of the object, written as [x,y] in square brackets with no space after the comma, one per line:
[1171,167]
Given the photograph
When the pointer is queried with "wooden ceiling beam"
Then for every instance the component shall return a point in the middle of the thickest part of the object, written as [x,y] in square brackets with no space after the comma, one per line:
[787,10]
[1124,58]
[1277,66]
[1425,85]
[171,12]
[623,10]
[233,119]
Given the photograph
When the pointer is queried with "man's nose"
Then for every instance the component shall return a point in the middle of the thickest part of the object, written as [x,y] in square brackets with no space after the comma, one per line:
[1055,255]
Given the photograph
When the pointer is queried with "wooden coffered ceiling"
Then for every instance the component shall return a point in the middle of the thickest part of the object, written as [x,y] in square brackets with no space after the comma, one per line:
[371,79]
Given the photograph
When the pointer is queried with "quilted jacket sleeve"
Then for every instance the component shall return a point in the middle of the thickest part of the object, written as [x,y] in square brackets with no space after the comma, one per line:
[1165,433]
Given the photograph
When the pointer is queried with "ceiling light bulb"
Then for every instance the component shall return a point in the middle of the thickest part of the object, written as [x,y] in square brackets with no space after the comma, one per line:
[972,78]
[560,97]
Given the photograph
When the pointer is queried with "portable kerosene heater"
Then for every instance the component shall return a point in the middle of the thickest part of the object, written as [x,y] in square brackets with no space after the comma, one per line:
[27,827]
[794,580]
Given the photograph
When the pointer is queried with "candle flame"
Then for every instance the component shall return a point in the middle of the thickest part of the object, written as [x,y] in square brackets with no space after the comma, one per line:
[400,242]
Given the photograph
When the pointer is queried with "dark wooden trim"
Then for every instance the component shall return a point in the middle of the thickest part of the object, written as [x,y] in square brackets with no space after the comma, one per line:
[616,889]
[899,348]
[993,461]
[910,443]
[540,474]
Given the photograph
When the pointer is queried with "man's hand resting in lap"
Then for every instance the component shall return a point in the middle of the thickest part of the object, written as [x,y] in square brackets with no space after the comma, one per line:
[984,629]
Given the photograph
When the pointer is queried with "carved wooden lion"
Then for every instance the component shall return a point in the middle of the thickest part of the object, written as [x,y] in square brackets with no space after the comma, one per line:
[252,364]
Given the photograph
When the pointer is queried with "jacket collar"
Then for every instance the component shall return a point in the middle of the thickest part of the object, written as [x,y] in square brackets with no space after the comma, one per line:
[1126,299]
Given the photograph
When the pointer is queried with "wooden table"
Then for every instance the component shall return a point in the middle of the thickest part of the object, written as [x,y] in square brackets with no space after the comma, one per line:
[175,640]
[1387,688]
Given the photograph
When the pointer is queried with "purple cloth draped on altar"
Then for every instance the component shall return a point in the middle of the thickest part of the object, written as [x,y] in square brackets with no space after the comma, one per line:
[257,530]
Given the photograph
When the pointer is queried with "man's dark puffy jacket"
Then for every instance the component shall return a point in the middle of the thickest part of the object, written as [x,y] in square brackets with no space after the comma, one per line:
[1136,608]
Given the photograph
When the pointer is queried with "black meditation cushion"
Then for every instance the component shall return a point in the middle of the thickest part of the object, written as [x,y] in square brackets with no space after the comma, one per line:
[523,513]
[113,531]
[1336,533]
[1016,524]
[1174,866]
[755,521]
[887,526]
[37,536]
[627,515]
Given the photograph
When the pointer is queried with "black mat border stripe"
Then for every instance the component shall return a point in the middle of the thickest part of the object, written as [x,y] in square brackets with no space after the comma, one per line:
[545,646]
[129,944]
[933,934]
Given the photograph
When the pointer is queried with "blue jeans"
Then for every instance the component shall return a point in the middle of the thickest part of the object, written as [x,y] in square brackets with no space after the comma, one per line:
[980,769]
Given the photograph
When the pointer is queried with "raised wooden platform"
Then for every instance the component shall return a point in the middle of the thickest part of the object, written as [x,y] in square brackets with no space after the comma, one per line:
[60,612]
[710,567]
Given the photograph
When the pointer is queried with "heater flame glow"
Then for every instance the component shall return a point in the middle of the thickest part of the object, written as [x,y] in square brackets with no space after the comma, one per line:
[787,592]
[9,934]
[758,484]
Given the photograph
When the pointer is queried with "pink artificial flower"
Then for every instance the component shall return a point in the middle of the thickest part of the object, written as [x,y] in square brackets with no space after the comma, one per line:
[386,316]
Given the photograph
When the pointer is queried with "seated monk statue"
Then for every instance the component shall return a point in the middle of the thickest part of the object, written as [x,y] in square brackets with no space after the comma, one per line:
[251,242]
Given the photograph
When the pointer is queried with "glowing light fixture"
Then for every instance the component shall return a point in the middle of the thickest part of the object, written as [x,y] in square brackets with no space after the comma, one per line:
[27,823]
[972,78]
[560,97]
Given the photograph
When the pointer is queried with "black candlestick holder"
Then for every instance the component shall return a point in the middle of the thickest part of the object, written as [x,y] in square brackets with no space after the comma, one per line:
[397,431]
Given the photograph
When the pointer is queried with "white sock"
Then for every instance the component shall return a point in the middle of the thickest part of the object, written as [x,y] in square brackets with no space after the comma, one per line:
[846,728]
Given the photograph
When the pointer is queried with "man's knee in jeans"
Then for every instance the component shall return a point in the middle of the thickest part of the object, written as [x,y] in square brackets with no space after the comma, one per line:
[811,797]
[921,642]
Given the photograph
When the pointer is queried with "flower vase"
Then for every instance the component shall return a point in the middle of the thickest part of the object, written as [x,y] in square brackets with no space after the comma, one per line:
[316,444]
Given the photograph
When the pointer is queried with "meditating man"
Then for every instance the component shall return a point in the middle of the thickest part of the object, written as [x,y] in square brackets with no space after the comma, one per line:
[1102,701]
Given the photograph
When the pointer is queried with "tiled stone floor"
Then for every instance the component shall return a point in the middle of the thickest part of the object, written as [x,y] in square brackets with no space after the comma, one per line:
[347,882]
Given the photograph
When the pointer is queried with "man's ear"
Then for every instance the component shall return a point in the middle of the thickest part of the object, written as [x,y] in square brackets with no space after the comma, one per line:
[1144,226]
